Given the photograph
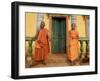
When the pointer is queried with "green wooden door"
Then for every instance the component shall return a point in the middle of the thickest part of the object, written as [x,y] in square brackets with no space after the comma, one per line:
[58,35]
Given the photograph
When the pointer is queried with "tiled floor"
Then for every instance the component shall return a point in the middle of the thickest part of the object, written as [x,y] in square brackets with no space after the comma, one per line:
[57,60]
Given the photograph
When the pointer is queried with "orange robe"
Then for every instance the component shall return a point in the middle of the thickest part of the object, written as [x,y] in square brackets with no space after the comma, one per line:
[73,45]
[42,47]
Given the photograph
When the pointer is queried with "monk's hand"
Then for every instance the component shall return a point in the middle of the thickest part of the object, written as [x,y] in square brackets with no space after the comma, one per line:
[41,45]
[49,39]
[67,45]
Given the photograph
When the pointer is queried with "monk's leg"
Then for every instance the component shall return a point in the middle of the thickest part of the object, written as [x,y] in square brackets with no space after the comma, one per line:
[45,55]
[37,57]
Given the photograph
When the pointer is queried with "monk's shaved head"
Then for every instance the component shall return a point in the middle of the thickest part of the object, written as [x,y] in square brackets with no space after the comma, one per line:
[73,25]
[42,24]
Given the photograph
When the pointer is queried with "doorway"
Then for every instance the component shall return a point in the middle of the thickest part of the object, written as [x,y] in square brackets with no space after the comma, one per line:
[58,43]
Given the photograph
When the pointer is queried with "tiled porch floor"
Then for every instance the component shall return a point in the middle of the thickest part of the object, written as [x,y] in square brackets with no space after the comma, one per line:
[57,60]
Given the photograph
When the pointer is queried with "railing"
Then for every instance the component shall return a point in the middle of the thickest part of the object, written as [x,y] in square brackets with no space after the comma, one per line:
[82,41]
[30,42]
[84,44]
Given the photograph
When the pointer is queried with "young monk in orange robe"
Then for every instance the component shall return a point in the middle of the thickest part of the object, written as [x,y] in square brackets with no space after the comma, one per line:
[73,45]
[42,45]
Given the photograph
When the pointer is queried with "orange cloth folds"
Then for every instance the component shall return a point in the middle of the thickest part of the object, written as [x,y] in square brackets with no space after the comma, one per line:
[73,45]
[42,45]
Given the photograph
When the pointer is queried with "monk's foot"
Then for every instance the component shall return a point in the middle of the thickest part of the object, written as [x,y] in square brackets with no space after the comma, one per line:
[72,63]
[44,63]
[34,64]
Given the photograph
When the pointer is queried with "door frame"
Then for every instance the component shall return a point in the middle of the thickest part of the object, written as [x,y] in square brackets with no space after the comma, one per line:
[50,29]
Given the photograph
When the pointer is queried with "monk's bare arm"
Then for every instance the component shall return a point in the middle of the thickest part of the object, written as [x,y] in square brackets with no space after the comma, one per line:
[68,39]
[48,36]
[39,37]
[77,36]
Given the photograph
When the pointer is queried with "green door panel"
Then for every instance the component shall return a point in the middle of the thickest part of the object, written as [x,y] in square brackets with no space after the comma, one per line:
[58,35]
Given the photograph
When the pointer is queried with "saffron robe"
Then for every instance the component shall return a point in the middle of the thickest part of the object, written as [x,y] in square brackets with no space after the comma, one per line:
[42,45]
[73,45]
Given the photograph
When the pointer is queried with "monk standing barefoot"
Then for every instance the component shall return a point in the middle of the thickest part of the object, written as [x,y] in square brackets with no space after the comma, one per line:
[73,45]
[42,45]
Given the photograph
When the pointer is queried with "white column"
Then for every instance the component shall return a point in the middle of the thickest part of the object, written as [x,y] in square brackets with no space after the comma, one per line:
[87,26]
[40,17]
[73,19]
